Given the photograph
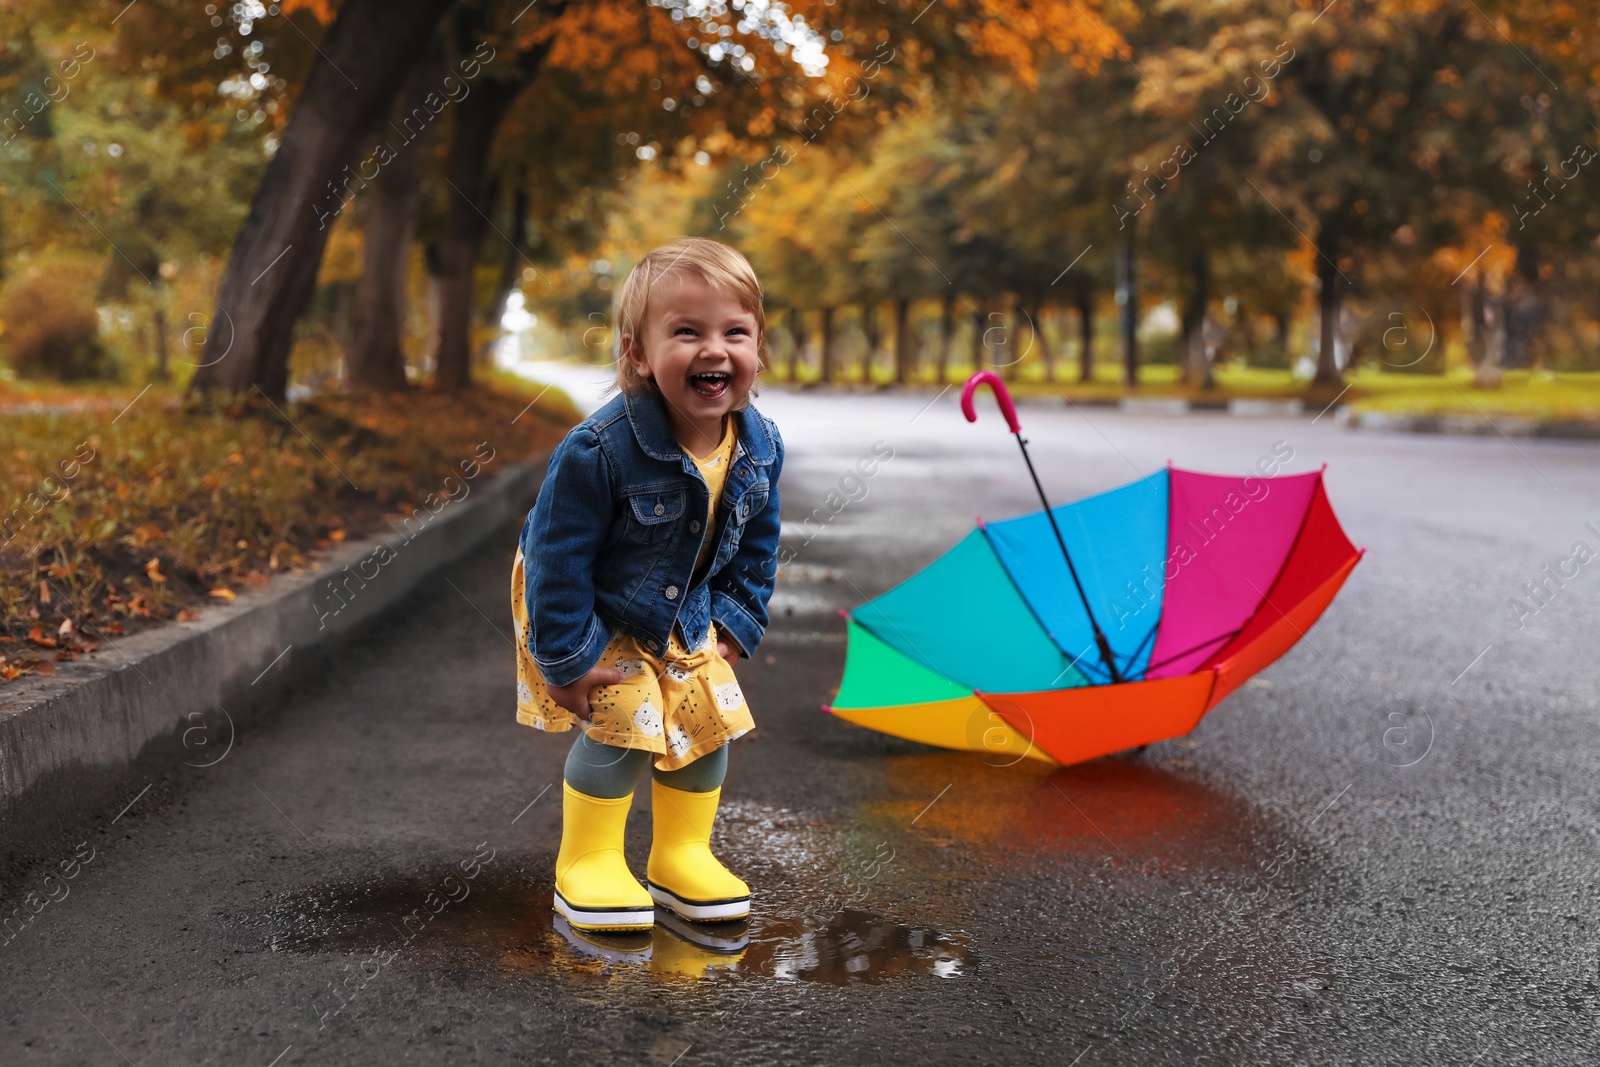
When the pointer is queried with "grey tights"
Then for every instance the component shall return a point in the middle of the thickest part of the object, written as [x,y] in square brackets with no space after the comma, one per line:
[609,772]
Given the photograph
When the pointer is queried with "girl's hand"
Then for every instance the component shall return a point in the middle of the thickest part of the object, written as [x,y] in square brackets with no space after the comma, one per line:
[730,651]
[575,697]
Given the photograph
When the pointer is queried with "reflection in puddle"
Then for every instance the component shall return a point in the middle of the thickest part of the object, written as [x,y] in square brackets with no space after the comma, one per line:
[505,922]
[1024,814]
[852,946]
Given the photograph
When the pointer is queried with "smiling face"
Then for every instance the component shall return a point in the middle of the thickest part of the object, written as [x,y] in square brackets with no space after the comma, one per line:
[702,349]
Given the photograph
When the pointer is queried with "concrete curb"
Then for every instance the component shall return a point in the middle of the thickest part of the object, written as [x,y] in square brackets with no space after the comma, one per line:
[1467,425]
[68,742]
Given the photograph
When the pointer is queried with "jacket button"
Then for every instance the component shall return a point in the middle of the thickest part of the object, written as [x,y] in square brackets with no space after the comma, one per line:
[651,645]
[661,509]
[694,526]
[672,592]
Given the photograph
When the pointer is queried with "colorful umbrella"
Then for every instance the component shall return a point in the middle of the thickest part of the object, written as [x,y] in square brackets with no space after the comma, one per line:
[1101,625]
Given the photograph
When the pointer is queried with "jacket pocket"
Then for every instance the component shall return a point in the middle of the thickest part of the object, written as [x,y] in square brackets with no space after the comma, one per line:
[651,514]
[752,503]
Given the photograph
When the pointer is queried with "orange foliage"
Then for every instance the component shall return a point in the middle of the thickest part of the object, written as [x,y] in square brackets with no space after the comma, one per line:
[321,10]
[1013,31]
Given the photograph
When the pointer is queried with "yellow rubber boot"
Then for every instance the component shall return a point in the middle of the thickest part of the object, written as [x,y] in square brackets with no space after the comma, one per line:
[682,873]
[594,888]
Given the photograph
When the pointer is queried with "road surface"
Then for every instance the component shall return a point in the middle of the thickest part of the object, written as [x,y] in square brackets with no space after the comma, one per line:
[1383,850]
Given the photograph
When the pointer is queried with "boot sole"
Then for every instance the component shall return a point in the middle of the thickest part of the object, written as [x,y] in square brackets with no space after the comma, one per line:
[623,918]
[700,910]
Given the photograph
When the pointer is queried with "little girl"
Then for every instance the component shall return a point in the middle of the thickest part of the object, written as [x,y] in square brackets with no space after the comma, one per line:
[642,579]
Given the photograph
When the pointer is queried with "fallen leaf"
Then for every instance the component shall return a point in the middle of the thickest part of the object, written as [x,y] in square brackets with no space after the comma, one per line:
[186,615]
[336,535]
[71,637]
[222,592]
[66,655]
[10,671]
[153,569]
[114,628]
[38,637]
[44,591]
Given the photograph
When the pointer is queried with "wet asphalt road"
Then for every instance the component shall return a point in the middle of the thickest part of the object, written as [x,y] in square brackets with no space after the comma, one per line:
[1383,850]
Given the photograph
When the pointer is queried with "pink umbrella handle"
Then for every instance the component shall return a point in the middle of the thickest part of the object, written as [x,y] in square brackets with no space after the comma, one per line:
[1003,398]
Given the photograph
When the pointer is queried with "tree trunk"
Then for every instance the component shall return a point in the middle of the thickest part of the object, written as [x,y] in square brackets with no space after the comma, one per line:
[1128,308]
[272,269]
[1280,334]
[902,340]
[159,328]
[1524,309]
[873,329]
[1036,309]
[947,333]
[1085,301]
[375,360]
[1472,320]
[510,269]
[1007,350]
[797,342]
[1492,367]
[431,266]
[466,223]
[1197,370]
[978,338]
[827,344]
[1329,300]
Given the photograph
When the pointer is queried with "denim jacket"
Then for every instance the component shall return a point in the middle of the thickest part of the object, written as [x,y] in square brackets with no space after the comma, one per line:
[613,537]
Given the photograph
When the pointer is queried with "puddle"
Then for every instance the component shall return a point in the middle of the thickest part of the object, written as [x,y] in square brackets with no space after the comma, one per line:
[502,922]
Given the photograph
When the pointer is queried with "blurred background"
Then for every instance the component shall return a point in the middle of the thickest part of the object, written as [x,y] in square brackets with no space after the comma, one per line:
[268,270]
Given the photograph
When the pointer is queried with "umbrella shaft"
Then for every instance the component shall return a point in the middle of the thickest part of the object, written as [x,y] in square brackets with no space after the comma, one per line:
[1099,636]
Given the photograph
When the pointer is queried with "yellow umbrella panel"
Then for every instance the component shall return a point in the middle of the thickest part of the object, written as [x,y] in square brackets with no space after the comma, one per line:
[888,692]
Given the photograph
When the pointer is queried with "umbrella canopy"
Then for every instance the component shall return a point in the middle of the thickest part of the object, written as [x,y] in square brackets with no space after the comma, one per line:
[1197,582]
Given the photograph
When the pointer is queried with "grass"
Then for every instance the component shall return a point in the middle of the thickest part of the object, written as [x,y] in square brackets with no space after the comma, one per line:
[124,510]
[1537,395]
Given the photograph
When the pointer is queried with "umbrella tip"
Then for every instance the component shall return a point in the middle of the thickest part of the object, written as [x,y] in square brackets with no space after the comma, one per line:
[979,520]
[827,709]
[843,614]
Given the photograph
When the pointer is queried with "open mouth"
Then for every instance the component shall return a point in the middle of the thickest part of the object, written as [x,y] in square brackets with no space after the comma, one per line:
[711,384]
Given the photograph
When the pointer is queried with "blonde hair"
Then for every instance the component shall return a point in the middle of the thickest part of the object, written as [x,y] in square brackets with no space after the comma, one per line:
[719,265]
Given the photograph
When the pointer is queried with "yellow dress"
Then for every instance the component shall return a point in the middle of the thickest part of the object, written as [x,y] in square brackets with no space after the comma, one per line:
[679,705]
